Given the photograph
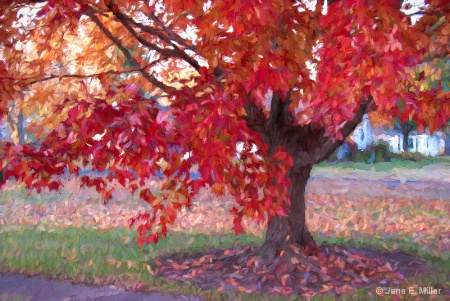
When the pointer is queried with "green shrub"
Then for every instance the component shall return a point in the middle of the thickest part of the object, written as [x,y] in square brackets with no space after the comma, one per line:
[375,153]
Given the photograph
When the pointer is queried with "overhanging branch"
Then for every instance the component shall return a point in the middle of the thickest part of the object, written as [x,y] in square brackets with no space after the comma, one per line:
[329,146]
[176,52]
[150,77]
[173,36]
[255,118]
[34,80]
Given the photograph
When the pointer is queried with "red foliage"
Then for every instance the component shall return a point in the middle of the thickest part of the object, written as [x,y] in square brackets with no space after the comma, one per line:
[237,57]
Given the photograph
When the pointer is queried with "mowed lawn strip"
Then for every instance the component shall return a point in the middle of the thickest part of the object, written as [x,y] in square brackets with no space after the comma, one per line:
[100,257]
[112,257]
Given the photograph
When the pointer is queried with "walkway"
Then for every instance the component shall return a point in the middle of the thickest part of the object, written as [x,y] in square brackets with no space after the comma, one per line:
[16,287]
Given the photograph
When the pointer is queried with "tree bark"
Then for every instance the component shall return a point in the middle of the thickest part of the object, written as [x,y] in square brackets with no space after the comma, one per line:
[307,145]
[291,229]
[447,143]
[21,128]
[407,128]
[405,141]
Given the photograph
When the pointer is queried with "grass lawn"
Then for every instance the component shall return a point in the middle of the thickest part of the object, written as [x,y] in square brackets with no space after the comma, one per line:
[69,236]
[112,257]
[100,257]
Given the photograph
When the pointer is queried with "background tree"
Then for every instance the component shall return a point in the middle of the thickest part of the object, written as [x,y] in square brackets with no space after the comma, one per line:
[405,128]
[16,123]
[447,139]
[433,73]
[231,72]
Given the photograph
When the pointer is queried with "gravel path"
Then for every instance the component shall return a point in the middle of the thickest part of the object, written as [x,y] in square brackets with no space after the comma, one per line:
[16,287]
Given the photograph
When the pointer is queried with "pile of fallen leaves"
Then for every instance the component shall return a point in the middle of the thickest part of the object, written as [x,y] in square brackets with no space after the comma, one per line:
[333,271]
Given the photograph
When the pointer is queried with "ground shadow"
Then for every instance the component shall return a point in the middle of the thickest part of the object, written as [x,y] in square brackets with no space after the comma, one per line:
[334,270]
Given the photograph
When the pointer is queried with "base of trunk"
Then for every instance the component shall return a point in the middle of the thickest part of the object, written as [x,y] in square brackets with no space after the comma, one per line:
[290,232]
[281,240]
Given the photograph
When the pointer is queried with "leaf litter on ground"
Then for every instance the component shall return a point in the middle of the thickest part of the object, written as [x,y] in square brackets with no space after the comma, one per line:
[333,271]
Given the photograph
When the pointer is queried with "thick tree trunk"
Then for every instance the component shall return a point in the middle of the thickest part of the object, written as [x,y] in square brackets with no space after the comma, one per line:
[290,230]
[307,145]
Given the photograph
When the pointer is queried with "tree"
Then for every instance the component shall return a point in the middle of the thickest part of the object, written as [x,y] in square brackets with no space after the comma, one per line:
[17,126]
[447,139]
[406,128]
[230,72]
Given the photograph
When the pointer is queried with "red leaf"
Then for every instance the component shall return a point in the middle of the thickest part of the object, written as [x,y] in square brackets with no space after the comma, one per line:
[238,229]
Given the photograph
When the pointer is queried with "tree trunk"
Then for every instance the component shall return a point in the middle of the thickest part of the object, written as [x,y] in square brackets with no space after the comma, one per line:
[17,125]
[21,128]
[307,145]
[447,143]
[405,141]
[291,229]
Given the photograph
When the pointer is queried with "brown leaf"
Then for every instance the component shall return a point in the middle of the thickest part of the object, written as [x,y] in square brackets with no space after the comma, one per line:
[345,278]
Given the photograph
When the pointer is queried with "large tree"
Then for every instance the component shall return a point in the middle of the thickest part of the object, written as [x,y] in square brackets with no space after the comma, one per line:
[285,80]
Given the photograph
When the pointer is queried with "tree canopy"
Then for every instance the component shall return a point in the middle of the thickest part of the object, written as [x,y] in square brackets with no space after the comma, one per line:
[139,87]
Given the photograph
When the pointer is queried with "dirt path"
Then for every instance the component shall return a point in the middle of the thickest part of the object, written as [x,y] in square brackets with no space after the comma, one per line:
[17,287]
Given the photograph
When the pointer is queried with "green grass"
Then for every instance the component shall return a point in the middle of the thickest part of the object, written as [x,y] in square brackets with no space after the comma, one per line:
[86,255]
[442,160]
[381,166]
[23,194]
[111,255]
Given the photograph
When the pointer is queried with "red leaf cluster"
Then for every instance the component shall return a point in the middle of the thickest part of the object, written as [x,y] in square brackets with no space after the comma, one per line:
[207,67]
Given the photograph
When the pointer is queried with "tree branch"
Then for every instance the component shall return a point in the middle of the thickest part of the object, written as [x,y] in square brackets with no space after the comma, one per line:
[176,52]
[309,144]
[255,118]
[11,122]
[364,108]
[276,109]
[150,77]
[170,33]
[277,126]
[170,39]
[82,76]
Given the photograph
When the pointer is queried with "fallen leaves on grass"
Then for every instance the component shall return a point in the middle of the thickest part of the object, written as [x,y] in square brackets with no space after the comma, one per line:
[426,221]
[335,270]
